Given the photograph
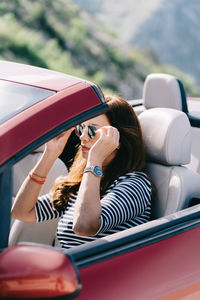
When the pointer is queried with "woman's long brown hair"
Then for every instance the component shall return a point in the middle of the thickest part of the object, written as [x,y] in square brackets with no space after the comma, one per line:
[129,157]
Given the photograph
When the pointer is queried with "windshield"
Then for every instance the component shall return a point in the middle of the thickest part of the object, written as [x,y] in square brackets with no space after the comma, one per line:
[15,97]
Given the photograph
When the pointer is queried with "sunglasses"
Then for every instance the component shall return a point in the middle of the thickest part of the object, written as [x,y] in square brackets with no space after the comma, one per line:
[91,130]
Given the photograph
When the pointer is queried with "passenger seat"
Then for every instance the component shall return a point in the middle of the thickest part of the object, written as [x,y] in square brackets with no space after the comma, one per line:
[164,90]
[167,137]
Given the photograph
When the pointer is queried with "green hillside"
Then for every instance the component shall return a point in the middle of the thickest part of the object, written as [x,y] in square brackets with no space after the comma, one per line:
[58,35]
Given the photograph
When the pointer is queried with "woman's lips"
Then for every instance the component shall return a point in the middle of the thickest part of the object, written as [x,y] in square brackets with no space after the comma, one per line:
[84,148]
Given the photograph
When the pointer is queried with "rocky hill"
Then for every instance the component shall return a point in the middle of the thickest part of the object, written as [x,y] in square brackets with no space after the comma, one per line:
[168,29]
[172,31]
[61,36]
[124,17]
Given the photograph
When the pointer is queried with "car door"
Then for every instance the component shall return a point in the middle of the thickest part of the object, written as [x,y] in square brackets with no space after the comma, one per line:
[158,260]
[25,124]
[35,105]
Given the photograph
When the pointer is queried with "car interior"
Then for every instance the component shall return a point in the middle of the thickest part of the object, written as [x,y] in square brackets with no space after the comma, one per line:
[34,232]
[173,158]
[167,136]
[164,90]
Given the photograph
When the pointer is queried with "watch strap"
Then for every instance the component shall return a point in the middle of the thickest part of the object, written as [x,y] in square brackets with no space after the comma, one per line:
[96,170]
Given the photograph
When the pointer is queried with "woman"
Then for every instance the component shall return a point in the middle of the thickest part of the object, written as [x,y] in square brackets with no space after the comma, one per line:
[105,191]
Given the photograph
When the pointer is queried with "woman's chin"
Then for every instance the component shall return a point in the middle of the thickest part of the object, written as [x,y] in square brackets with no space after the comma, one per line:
[85,154]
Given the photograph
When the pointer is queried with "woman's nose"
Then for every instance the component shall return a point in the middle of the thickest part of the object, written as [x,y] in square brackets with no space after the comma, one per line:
[84,135]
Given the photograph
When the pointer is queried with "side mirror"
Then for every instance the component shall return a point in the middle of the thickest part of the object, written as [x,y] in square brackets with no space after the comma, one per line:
[30,271]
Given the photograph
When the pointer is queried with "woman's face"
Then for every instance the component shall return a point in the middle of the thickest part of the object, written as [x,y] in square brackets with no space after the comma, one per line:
[88,136]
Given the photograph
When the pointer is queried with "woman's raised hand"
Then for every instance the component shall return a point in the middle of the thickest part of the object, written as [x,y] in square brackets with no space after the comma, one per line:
[106,145]
[57,144]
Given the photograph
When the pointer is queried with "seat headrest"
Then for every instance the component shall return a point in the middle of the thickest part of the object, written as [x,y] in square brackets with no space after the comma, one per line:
[167,135]
[163,90]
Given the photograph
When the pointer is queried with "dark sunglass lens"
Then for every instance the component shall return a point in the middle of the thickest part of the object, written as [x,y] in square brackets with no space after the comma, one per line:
[91,131]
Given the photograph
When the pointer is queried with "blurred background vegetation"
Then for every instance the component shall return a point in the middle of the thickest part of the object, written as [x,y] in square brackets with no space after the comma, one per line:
[61,36]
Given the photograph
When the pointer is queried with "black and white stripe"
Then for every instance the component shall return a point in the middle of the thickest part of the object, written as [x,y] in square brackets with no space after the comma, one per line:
[127,203]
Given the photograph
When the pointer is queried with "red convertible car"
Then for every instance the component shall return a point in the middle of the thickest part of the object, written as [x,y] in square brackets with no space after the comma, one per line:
[157,260]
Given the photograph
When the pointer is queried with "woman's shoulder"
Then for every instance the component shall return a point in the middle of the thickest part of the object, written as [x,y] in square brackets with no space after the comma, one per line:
[132,177]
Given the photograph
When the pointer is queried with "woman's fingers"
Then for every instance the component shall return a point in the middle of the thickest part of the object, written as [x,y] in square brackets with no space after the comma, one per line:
[111,133]
[58,143]
[107,142]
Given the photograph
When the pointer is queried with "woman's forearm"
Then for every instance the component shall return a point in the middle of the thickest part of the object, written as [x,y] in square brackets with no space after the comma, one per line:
[24,204]
[87,211]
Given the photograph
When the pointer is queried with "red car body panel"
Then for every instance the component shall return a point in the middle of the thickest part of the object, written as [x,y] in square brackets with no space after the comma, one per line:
[36,76]
[161,269]
[44,116]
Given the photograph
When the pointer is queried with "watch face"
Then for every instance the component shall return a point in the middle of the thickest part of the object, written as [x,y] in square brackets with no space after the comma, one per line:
[98,171]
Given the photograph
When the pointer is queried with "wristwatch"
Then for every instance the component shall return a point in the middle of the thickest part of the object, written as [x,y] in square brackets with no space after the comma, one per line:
[96,170]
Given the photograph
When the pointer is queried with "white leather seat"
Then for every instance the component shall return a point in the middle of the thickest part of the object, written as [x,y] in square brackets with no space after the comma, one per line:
[167,137]
[43,232]
[164,90]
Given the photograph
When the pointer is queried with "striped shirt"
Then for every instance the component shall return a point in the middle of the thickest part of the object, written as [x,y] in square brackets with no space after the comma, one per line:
[127,203]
